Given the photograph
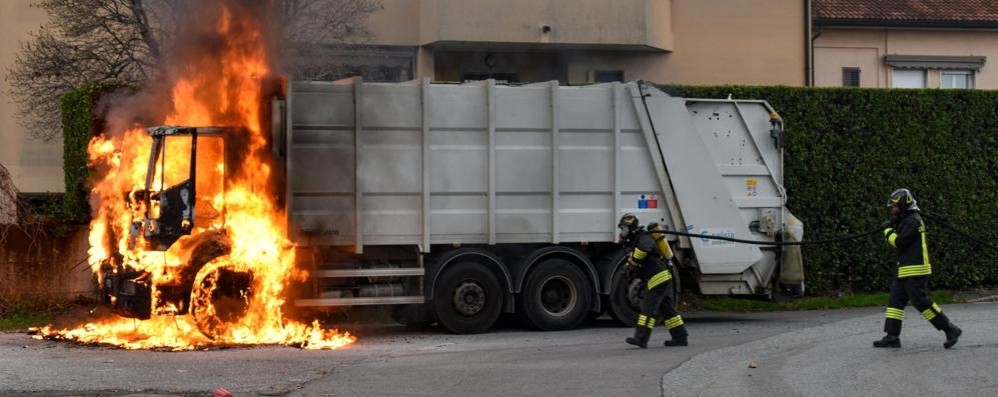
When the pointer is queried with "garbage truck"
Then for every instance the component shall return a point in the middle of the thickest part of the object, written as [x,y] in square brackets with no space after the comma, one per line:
[456,203]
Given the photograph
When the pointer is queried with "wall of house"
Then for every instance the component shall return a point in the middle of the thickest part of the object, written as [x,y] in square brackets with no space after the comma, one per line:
[866,47]
[686,41]
[35,166]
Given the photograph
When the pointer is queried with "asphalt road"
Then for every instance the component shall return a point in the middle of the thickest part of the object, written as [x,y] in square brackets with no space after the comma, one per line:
[794,353]
[837,360]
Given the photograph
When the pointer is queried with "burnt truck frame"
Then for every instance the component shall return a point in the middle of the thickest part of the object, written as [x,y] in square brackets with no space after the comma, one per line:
[162,216]
[455,203]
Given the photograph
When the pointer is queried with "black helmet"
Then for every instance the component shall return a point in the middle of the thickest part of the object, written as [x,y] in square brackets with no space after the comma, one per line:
[903,199]
[627,226]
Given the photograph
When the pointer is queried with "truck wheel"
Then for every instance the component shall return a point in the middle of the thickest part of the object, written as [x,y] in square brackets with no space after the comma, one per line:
[556,296]
[220,297]
[783,293]
[467,298]
[626,292]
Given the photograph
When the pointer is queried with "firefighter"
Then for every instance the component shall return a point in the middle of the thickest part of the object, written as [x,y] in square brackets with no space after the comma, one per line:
[905,232]
[652,262]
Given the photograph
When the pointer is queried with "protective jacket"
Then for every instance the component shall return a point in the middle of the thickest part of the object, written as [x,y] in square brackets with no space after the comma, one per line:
[908,239]
[657,307]
[646,256]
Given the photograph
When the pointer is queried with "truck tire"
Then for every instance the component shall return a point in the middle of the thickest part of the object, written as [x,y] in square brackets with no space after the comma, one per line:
[625,297]
[467,298]
[782,293]
[557,295]
[626,292]
[220,297]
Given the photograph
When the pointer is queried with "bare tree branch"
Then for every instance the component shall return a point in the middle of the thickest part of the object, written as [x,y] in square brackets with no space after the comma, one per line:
[127,41]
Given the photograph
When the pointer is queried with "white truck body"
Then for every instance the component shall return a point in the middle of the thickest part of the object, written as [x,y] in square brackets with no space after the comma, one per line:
[438,166]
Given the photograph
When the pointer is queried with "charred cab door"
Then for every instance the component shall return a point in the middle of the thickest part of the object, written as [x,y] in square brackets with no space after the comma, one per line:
[184,183]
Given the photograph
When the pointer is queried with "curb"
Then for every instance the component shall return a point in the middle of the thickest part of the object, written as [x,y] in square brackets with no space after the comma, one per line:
[984,299]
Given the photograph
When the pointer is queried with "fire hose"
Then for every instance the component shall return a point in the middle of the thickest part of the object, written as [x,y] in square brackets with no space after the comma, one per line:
[942,221]
[939,220]
[772,243]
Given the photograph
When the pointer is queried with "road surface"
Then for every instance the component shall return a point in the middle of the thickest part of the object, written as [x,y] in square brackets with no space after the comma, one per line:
[793,353]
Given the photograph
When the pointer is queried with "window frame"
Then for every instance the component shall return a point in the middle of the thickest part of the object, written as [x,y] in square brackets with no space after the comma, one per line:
[604,76]
[925,77]
[970,75]
[859,76]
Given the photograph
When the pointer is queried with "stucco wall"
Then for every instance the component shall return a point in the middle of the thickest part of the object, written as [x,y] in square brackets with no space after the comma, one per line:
[710,41]
[598,22]
[866,47]
[756,42]
[35,166]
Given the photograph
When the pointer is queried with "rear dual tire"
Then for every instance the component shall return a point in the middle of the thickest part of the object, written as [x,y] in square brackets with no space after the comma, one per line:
[468,298]
[627,291]
[557,295]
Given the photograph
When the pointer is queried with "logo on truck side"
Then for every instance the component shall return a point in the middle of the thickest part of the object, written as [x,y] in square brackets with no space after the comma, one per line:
[708,243]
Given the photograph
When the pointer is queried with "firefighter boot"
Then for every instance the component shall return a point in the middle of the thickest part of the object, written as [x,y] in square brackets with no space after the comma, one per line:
[640,338]
[888,341]
[952,336]
[679,336]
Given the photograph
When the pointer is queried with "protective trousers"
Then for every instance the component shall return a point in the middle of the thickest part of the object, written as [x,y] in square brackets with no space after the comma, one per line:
[657,305]
[915,290]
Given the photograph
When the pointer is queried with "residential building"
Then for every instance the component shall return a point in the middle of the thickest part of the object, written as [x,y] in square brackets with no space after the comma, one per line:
[906,43]
[35,166]
[586,41]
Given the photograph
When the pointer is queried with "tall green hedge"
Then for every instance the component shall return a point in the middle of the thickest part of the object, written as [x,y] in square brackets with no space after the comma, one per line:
[78,127]
[848,148]
[81,120]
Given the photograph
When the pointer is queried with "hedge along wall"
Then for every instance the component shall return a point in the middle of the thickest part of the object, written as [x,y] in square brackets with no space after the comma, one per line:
[78,126]
[80,122]
[847,149]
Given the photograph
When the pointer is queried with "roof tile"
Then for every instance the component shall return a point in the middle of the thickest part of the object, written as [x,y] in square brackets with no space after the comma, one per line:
[907,10]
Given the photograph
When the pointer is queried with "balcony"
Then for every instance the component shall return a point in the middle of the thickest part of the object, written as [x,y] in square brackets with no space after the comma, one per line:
[638,25]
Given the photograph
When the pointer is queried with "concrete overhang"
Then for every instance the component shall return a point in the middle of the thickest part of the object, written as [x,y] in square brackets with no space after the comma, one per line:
[539,47]
[626,25]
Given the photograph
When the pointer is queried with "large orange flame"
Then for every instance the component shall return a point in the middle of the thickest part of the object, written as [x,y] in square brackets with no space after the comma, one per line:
[223,88]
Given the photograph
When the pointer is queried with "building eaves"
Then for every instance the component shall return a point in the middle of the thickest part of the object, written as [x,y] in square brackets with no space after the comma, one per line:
[974,14]
[890,23]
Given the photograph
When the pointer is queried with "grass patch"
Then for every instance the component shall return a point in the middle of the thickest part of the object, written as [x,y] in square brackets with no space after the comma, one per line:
[20,316]
[23,319]
[727,304]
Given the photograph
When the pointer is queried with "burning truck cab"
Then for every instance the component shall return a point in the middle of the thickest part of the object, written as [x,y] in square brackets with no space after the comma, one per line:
[177,227]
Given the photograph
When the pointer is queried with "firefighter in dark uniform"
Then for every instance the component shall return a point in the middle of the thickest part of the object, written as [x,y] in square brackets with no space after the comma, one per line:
[647,258]
[905,232]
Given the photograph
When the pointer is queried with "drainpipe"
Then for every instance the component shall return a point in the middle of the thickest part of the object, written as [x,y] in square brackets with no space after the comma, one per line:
[808,46]
[813,38]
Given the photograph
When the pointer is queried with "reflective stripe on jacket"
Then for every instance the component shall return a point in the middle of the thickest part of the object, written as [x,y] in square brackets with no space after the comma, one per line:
[910,243]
